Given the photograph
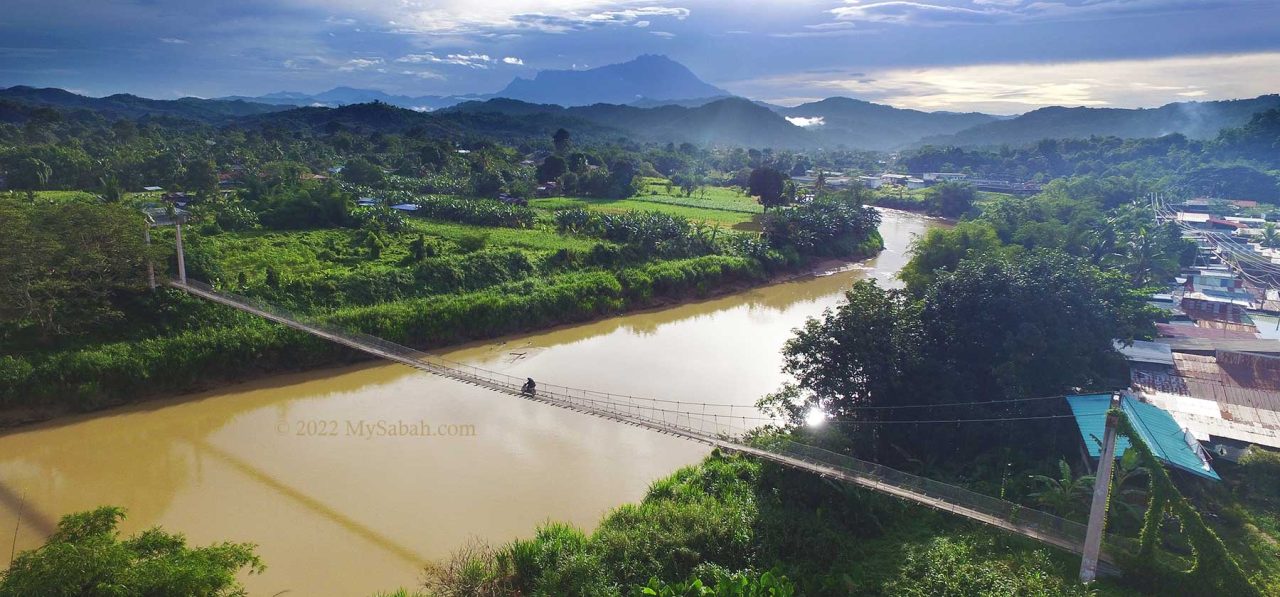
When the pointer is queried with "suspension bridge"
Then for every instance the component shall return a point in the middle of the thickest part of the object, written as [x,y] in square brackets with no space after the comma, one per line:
[718,425]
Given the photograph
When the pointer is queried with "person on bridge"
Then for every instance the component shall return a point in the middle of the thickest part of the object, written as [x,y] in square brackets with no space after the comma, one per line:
[529,387]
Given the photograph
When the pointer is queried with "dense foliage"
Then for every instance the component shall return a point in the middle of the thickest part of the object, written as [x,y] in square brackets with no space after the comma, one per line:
[732,526]
[65,269]
[1240,163]
[86,557]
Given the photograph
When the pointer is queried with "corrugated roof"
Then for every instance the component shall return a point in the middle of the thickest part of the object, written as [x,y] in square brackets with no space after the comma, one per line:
[1146,352]
[1155,427]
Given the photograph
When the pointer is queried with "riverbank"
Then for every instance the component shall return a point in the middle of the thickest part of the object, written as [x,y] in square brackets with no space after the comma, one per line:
[731,515]
[108,376]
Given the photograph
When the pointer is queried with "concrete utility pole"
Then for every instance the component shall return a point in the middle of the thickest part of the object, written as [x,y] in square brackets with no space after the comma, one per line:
[151,267]
[182,262]
[1101,489]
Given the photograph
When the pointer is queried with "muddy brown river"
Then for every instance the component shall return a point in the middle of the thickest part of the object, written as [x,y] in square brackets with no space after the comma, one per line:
[350,480]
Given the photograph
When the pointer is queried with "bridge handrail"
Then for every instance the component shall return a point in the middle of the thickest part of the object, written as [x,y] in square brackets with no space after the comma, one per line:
[709,427]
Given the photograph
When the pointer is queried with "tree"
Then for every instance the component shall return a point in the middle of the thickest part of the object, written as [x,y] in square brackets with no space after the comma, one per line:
[201,176]
[86,557]
[361,171]
[552,168]
[768,185]
[110,190]
[64,273]
[32,174]
[1064,495]
[622,180]
[849,358]
[561,141]
[952,199]
[942,249]
[1270,235]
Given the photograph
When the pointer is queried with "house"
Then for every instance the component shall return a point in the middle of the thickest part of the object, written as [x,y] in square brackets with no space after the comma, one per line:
[933,177]
[153,189]
[547,189]
[871,182]
[366,202]
[1243,203]
[1193,219]
[406,207]
[1225,225]
[1223,396]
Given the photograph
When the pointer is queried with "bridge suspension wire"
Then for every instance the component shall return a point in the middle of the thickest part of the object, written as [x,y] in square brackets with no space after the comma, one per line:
[724,430]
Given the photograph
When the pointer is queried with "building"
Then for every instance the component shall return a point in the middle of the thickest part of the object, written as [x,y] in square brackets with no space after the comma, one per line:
[871,182]
[934,177]
[1222,397]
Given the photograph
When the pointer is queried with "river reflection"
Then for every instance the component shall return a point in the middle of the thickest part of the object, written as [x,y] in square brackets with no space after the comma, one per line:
[280,462]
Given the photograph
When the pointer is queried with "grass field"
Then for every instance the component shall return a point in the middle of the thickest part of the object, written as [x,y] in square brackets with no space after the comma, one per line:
[537,239]
[714,205]
[58,196]
[297,253]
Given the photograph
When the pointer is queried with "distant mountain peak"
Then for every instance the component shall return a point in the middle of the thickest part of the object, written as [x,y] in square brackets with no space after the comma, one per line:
[651,77]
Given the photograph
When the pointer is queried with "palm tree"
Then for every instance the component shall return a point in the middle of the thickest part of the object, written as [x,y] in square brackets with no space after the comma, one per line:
[1270,235]
[1064,495]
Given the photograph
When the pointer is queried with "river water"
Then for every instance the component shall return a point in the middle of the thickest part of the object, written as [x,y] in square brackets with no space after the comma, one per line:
[338,506]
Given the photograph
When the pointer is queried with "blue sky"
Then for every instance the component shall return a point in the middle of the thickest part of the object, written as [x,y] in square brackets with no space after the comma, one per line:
[1003,56]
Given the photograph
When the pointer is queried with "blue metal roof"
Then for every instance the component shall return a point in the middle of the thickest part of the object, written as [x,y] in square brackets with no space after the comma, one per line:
[1157,429]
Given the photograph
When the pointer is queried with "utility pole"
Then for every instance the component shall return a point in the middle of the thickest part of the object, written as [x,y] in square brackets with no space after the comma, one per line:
[182,263]
[151,267]
[1101,490]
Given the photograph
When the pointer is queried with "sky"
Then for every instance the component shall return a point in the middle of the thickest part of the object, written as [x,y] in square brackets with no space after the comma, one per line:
[998,56]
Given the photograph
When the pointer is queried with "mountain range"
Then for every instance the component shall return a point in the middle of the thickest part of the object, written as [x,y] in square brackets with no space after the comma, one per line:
[655,99]
[1198,120]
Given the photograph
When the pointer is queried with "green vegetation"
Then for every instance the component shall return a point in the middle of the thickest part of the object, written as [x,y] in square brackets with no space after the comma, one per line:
[747,528]
[86,557]
[275,217]
[1240,163]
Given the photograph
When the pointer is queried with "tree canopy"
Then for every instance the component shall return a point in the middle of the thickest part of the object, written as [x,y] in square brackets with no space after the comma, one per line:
[86,557]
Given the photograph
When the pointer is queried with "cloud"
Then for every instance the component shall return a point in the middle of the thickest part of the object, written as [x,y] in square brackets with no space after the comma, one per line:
[513,60]
[359,64]
[469,60]
[546,16]
[666,34]
[173,40]
[423,74]
[806,121]
[1012,88]
[901,12]
[935,12]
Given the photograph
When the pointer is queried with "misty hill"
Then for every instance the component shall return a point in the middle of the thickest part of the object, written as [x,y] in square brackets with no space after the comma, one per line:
[385,118]
[858,123]
[1198,120]
[342,96]
[729,121]
[134,107]
[648,77]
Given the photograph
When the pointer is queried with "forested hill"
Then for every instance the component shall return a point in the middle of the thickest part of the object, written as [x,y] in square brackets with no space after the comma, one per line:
[384,118]
[134,107]
[1197,120]
[876,126]
[728,121]
[731,121]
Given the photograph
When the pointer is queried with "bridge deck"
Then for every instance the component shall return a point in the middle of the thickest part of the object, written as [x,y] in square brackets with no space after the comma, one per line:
[699,427]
